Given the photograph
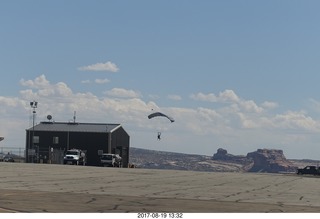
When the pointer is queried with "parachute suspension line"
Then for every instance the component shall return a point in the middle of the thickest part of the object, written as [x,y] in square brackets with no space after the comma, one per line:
[156,114]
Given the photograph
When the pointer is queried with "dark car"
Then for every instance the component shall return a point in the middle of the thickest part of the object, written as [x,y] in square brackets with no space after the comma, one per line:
[313,170]
[8,158]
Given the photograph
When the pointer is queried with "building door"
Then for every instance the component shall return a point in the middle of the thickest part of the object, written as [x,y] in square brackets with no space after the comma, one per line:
[56,156]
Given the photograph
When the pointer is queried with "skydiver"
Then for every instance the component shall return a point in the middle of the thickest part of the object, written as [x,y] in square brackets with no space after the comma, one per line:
[159,136]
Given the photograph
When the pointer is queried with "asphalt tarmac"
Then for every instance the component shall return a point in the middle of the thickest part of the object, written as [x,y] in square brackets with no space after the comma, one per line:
[75,189]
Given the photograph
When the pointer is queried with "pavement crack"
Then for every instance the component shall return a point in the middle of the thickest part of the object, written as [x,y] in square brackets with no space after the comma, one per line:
[92,200]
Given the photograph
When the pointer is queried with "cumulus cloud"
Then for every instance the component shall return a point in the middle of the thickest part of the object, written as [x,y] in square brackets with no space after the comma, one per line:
[108,66]
[246,114]
[174,97]
[97,81]
[101,81]
[58,100]
[314,105]
[38,83]
[225,96]
[250,106]
[269,105]
[43,88]
[85,82]
[296,120]
[228,97]
[204,97]
[123,93]
[234,114]
[235,121]
[154,96]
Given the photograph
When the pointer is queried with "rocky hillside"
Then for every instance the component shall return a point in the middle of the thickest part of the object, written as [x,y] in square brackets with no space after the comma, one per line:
[151,159]
[262,160]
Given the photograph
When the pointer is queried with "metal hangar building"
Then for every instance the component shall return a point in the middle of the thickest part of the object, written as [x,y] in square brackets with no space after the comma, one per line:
[48,141]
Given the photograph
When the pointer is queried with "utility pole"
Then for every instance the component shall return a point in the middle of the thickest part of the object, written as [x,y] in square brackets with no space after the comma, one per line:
[33,105]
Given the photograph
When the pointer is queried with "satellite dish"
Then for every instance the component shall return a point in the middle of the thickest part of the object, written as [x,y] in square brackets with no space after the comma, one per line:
[49,117]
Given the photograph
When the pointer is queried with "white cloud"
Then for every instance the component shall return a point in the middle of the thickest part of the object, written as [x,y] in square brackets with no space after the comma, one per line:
[85,82]
[314,105]
[96,81]
[123,93]
[269,105]
[101,81]
[296,121]
[154,96]
[228,97]
[44,88]
[174,97]
[38,83]
[11,102]
[225,96]
[204,97]
[250,106]
[108,66]
[237,123]
[247,122]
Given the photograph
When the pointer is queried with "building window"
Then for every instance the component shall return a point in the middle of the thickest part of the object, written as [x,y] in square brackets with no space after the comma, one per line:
[55,140]
[36,139]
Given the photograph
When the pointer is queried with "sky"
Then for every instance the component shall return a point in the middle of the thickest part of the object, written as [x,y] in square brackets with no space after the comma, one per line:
[238,75]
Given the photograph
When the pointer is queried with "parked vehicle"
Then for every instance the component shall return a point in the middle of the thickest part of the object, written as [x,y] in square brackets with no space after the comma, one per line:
[6,158]
[1,157]
[312,170]
[110,160]
[75,157]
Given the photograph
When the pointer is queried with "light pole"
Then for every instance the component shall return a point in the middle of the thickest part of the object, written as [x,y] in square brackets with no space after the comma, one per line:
[34,105]
[1,138]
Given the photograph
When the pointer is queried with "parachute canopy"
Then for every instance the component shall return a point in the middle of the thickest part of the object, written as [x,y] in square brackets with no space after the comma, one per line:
[152,115]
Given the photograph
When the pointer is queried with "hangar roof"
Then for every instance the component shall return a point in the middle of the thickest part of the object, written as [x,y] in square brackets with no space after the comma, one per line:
[75,127]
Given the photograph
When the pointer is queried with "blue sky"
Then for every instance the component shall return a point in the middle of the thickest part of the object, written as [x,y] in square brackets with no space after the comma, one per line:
[240,75]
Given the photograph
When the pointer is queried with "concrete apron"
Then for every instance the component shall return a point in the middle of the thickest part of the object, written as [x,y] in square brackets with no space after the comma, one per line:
[62,188]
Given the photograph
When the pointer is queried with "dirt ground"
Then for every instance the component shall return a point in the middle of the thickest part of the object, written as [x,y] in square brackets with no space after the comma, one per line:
[76,189]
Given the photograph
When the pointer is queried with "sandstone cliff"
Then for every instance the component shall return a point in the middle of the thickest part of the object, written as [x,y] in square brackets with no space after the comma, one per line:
[222,161]
[262,160]
[271,161]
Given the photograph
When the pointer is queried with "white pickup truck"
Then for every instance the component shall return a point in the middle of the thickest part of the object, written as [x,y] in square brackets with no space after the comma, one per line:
[75,156]
[110,160]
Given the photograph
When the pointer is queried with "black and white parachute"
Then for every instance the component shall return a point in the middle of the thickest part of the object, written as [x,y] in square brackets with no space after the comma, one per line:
[159,114]
[152,115]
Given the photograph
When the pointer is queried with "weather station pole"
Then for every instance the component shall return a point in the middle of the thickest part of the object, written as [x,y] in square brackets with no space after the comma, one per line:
[33,105]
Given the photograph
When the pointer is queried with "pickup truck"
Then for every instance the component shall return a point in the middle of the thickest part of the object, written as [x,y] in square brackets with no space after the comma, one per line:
[110,160]
[75,156]
[312,170]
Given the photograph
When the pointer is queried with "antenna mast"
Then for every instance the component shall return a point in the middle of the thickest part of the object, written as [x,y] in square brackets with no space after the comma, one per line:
[74,117]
